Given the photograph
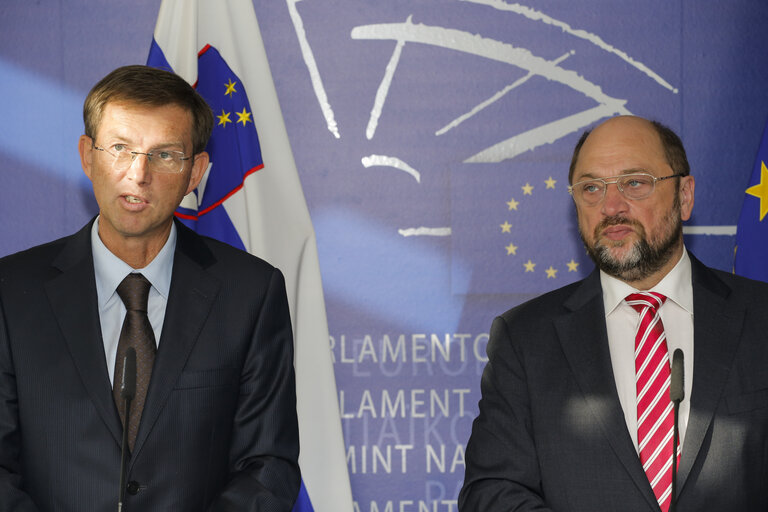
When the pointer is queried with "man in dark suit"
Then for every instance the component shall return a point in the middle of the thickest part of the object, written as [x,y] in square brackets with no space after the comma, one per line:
[217,429]
[575,412]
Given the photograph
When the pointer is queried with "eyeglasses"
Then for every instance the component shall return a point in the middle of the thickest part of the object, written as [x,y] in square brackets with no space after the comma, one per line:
[166,162]
[633,186]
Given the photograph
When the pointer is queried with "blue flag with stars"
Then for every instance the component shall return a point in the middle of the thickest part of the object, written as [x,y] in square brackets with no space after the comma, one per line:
[251,197]
[235,154]
[233,148]
[751,255]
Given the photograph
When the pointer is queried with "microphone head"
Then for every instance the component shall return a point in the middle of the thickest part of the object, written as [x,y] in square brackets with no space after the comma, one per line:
[677,381]
[128,384]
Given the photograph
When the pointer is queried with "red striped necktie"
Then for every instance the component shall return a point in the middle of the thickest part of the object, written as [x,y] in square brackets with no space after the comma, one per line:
[655,413]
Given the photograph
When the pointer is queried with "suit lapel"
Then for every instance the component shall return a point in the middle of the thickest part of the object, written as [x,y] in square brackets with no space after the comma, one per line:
[72,295]
[191,296]
[585,343]
[717,327]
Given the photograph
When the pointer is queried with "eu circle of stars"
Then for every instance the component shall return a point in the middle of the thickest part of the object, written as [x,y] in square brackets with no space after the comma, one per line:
[513,205]
[514,228]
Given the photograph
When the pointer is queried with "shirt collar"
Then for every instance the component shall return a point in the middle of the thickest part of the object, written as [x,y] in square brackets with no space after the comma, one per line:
[111,270]
[676,286]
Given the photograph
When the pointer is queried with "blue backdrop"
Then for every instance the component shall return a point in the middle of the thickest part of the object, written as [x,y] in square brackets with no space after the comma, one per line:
[432,138]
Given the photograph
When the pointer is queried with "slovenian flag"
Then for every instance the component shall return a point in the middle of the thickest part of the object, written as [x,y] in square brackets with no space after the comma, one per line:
[251,197]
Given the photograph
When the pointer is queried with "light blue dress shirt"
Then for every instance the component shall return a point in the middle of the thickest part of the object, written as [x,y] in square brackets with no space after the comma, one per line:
[110,271]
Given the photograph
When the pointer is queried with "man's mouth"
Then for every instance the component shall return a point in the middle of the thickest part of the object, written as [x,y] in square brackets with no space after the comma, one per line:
[617,232]
[616,229]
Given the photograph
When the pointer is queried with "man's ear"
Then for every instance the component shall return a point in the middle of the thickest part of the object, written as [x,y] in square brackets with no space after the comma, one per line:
[687,187]
[85,148]
[199,166]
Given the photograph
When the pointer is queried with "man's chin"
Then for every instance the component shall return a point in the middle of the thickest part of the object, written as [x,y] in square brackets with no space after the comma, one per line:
[628,240]
[617,259]
[619,268]
[620,254]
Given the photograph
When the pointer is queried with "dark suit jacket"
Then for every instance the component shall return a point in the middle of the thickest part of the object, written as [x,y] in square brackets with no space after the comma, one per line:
[219,428]
[551,433]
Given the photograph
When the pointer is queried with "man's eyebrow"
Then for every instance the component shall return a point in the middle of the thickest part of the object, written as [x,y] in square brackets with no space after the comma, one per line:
[590,176]
[636,170]
[118,136]
[175,146]
[115,135]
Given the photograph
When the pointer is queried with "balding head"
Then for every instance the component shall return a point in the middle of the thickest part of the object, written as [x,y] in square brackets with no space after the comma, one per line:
[671,145]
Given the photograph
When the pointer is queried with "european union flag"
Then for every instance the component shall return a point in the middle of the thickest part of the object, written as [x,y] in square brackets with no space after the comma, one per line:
[751,258]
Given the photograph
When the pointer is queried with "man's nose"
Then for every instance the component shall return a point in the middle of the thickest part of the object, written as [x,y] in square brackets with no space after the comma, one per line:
[614,201]
[139,170]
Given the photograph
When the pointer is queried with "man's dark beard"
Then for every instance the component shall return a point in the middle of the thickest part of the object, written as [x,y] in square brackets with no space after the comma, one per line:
[644,260]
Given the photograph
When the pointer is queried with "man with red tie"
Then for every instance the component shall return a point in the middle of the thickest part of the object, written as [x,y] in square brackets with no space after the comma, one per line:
[576,412]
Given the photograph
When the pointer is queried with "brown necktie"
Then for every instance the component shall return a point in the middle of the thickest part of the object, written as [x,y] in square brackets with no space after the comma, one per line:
[136,333]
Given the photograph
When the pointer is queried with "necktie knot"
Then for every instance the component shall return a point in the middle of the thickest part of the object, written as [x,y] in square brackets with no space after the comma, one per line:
[641,300]
[134,292]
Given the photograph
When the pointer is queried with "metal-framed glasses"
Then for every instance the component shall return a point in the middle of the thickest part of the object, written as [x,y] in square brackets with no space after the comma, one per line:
[161,161]
[634,186]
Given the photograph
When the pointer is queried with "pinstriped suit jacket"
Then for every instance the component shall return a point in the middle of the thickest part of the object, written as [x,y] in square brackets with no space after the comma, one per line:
[219,429]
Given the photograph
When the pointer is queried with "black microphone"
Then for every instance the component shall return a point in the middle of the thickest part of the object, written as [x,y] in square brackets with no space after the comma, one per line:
[127,392]
[676,386]
[676,395]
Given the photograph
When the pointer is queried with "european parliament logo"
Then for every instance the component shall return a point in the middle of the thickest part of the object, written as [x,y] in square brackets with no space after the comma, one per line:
[518,231]
[469,111]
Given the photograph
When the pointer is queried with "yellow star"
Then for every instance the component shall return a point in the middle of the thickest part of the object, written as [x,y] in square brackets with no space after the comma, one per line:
[550,182]
[551,272]
[230,88]
[572,266]
[512,204]
[224,118]
[761,190]
[511,249]
[506,227]
[527,189]
[243,117]
[529,266]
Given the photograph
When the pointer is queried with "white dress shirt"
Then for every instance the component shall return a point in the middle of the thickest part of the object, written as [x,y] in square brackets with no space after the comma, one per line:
[622,322]
[110,271]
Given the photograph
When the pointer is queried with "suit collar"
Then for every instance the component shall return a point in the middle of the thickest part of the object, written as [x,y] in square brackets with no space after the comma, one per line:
[79,322]
[717,327]
[192,293]
[676,286]
[718,323]
[191,296]
[587,291]
[584,341]
[111,270]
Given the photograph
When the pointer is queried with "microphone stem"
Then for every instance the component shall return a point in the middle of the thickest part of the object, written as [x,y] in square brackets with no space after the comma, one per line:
[673,499]
[124,455]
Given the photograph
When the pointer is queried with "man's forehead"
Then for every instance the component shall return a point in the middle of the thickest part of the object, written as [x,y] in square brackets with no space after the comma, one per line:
[128,106]
[621,147]
[626,132]
[120,118]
